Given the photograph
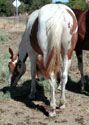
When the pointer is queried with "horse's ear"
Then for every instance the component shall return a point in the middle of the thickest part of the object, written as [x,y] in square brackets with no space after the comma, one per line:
[17,55]
[11,52]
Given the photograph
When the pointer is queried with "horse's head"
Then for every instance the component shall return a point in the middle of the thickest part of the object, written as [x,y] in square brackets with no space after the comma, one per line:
[16,68]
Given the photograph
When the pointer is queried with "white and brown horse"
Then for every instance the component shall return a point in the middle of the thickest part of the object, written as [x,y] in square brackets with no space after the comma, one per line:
[50,31]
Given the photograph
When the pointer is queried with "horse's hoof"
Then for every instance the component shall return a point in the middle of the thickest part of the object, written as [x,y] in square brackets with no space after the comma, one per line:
[59,88]
[52,113]
[82,89]
[31,97]
[62,106]
[82,84]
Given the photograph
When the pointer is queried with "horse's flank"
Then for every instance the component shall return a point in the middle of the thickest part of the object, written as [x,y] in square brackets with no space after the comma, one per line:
[33,37]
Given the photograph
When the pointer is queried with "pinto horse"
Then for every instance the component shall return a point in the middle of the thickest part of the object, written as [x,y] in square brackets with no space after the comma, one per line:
[50,31]
[83,39]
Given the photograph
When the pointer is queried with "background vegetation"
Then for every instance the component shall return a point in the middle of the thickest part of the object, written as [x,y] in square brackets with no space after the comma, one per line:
[4,36]
[7,9]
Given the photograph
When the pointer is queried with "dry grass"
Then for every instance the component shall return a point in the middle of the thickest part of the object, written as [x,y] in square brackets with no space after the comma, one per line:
[4,36]
[4,68]
[12,26]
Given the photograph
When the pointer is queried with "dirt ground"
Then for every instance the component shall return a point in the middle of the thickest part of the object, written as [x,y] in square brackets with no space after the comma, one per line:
[19,110]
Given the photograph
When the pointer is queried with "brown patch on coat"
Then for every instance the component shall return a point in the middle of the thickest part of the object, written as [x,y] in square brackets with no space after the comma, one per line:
[11,65]
[53,57]
[68,25]
[52,65]
[12,58]
[73,28]
[40,66]
[33,38]
[53,62]
[74,35]
[83,23]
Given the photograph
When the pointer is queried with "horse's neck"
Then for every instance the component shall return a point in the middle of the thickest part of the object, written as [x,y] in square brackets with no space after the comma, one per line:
[23,49]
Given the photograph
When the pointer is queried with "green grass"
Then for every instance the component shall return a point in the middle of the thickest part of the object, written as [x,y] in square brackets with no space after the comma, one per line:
[74,58]
[4,36]
[43,86]
[4,74]
[4,67]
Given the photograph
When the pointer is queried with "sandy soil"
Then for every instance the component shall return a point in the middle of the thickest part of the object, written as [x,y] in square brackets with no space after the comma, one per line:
[20,111]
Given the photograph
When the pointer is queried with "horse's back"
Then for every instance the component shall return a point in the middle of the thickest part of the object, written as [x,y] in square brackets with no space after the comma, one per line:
[53,19]
[31,20]
[54,12]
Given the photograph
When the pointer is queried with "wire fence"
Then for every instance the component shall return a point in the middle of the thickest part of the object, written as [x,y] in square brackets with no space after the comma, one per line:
[19,19]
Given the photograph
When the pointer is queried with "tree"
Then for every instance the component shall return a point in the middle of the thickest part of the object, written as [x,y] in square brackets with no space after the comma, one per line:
[7,9]
[78,4]
[34,4]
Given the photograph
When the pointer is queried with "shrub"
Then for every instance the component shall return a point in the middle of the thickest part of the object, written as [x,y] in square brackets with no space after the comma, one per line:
[4,36]
[4,68]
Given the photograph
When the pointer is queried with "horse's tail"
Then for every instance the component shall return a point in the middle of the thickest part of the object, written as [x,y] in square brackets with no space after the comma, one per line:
[53,59]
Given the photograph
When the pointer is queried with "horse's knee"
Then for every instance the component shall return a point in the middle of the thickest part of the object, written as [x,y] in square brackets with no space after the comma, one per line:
[64,78]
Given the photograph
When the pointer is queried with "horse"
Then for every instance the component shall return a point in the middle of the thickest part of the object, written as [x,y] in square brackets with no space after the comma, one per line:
[83,40]
[51,31]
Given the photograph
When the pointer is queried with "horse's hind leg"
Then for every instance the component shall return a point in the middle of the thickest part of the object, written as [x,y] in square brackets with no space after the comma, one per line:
[64,78]
[52,82]
[79,55]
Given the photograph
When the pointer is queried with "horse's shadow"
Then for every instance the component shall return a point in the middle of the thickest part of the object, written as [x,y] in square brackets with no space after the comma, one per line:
[21,93]
[76,86]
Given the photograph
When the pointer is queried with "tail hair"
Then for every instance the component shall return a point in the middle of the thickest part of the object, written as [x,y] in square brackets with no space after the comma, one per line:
[53,60]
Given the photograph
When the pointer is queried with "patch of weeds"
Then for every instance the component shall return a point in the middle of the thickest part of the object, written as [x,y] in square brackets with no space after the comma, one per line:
[4,36]
[46,86]
[74,58]
[4,68]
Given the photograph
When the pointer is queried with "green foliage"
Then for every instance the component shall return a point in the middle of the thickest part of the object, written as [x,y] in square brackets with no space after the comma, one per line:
[7,9]
[4,36]
[22,8]
[36,4]
[29,2]
[4,68]
[78,4]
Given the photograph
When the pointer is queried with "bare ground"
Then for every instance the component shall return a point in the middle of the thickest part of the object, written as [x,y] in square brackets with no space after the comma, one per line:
[18,110]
